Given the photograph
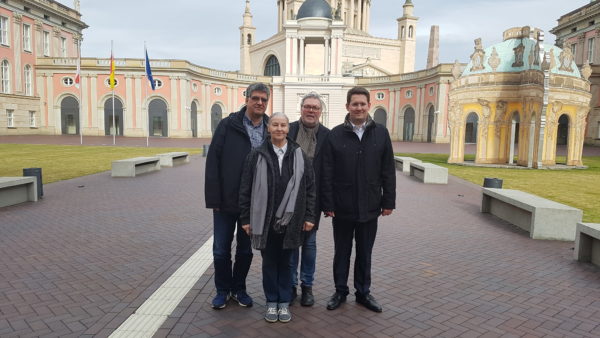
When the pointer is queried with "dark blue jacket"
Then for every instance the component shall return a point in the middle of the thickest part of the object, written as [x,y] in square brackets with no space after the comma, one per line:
[225,162]
[358,176]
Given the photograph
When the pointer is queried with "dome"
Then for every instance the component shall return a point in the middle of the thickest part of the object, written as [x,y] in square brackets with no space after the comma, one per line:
[314,9]
[519,52]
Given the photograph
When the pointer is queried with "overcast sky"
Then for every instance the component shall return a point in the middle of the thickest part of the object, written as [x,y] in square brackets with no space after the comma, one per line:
[206,32]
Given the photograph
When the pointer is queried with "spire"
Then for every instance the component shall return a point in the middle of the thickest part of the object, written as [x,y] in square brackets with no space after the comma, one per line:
[408,8]
[247,15]
[76,5]
[247,6]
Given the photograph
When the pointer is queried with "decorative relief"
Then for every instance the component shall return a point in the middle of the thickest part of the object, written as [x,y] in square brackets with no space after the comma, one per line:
[38,25]
[519,51]
[494,60]
[586,71]
[456,70]
[454,117]
[500,112]
[566,59]
[18,17]
[362,52]
[478,56]
[486,111]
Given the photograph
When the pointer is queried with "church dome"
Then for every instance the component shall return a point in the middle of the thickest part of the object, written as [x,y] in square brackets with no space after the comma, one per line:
[519,52]
[314,9]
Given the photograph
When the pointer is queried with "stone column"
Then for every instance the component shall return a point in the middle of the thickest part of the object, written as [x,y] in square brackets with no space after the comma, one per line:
[173,113]
[327,66]
[56,41]
[360,14]
[302,56]
[17,86]
[351,14]
[37,39]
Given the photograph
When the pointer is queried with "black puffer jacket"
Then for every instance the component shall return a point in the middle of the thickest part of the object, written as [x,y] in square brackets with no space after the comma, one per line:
[359,176]
[305,202]
[225,161]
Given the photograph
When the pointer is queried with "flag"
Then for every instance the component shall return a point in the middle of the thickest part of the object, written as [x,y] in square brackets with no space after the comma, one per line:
[112,71]
[149,70]
[78,73]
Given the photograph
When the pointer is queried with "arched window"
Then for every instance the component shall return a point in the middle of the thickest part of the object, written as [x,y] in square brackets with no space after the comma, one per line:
[28,78]
[5,74]
[402,32]
[249,39]
[272,67]
[410,31]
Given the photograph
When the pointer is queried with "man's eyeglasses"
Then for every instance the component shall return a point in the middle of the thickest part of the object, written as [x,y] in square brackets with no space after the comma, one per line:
[258,98]
[313,108]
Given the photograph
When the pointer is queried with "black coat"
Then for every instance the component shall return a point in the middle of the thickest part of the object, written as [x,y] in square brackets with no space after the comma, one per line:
[359,176]
[225,161]
[317,160]
[305,201]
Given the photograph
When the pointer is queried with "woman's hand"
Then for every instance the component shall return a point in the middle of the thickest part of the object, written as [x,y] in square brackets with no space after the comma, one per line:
[308,226]
[247,229]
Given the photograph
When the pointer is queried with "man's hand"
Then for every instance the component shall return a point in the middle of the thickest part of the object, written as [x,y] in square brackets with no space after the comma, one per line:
[247,229]
[308,226]
[329,213]
[386,212]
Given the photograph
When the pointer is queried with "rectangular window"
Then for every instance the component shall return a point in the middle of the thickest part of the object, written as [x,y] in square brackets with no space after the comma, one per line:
[574,50]
[10,118]
[46,43]
[26,37]
[32,119]
[591,50]
[63,47]
[4,30]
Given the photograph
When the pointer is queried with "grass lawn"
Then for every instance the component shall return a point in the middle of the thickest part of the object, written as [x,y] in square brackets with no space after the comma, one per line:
[60,162]
[576,188]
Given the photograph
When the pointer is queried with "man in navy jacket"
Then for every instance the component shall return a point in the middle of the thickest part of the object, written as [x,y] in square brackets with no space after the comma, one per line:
[234,138]
[358,185]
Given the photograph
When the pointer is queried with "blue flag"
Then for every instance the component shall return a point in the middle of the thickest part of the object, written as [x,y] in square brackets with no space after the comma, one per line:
[149,71]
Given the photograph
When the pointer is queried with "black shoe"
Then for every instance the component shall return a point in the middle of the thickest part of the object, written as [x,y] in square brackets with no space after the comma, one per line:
[294,295]
[336,300]
[307,298]
[369,302]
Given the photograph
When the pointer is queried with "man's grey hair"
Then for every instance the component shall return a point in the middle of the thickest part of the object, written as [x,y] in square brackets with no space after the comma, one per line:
[258,87]
[279,114]
[313,95]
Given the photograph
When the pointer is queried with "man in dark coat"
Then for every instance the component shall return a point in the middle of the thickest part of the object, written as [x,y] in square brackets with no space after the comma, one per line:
[234,138]
[310,134]
[358,185]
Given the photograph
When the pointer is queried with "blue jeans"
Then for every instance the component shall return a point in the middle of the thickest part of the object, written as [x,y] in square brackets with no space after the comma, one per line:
[226,278]
[309,256]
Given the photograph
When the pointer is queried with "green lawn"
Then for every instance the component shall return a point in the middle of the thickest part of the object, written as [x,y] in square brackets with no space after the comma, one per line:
[60,162]
[576,188]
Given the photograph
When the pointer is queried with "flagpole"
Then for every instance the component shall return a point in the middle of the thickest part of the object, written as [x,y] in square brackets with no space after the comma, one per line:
[146,97]
[80,91]
[112,85]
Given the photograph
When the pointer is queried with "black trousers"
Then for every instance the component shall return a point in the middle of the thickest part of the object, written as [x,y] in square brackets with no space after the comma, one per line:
[276,270]
[344,231]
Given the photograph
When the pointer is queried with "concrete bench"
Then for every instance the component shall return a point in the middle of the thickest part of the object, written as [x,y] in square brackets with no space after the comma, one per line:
[543,218]
[403,163]
[15,190]
[132,167]
[587,243]
[175,158]
[429,172]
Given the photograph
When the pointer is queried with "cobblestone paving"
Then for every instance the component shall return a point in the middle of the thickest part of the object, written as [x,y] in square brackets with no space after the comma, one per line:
[81,260]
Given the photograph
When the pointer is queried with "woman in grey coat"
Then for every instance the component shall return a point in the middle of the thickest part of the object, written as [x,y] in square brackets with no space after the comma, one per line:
[277,204]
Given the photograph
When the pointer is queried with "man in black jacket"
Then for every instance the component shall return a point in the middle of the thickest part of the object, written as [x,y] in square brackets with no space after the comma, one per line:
[358,185]
[310,135]
[232,141]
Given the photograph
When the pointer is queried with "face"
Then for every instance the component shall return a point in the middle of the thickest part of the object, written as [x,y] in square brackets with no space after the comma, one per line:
[278,128]
[311,112]
[256,104]
[358,108]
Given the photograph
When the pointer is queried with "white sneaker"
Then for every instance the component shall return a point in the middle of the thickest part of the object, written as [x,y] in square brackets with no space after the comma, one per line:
[284,313]
[271,315]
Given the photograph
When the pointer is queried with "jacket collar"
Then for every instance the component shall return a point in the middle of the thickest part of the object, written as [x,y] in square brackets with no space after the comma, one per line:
[368,125]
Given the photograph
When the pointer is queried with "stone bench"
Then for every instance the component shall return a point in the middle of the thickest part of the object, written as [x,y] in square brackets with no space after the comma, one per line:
[175,158]
[587,243]
[132,167]
[543,218]
[429,172]
[15,190]
[403,163]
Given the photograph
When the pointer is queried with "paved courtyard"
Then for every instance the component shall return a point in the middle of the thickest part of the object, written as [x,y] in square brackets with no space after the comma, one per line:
[84,258]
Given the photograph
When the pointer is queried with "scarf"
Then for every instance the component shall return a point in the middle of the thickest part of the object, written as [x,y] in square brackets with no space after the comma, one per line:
[307,139]
[260,195]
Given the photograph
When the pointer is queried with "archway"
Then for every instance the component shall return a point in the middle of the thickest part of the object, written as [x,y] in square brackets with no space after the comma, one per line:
[408,128]
[108,117]
[563,130]
[69,115]
[514,138]
[471,128]
[194,119]
[158,122]
[430,123]
[216,114]
[380,116]
[272,67]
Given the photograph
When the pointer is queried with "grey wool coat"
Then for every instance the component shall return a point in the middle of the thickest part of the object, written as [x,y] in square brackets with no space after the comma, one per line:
[305,202]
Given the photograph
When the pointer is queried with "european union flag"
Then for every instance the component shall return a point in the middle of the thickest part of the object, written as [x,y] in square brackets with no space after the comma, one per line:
[149,71]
